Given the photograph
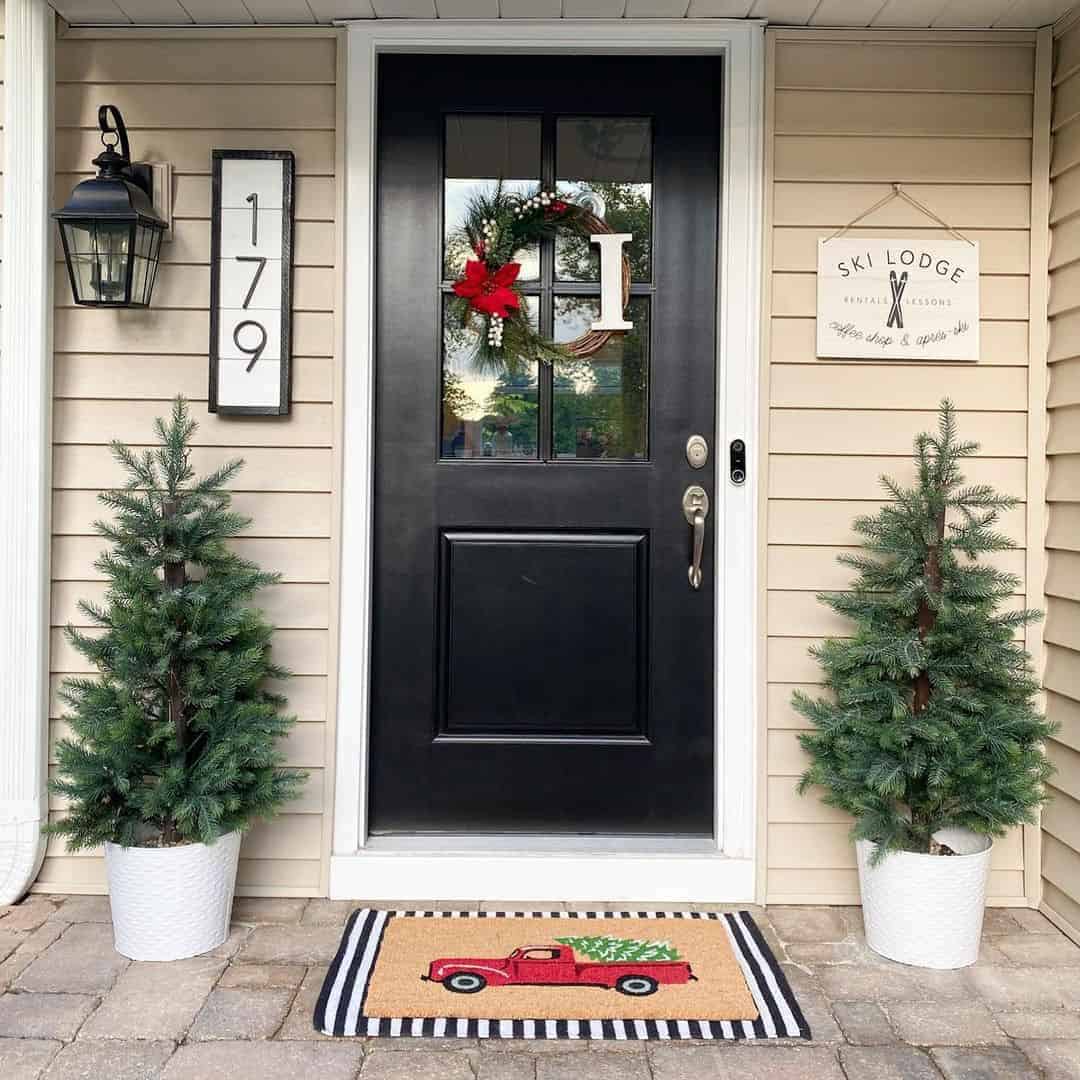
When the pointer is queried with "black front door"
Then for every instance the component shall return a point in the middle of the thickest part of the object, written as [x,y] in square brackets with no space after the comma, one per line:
[541,661]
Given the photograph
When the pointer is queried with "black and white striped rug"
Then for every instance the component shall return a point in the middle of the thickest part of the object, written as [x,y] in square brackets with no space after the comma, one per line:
[343,1006]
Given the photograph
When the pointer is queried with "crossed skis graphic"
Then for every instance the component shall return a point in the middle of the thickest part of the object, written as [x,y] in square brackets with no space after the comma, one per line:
[896,318]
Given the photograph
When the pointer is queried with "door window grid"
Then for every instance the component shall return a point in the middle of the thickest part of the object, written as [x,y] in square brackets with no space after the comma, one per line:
[596,408]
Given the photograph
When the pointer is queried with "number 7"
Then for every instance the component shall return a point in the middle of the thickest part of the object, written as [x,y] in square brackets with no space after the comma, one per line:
[258,274]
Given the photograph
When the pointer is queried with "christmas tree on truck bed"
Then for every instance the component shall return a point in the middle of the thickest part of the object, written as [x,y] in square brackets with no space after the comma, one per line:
[612,950]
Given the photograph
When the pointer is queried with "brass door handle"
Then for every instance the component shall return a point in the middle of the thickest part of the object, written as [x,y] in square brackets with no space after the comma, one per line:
[695,505]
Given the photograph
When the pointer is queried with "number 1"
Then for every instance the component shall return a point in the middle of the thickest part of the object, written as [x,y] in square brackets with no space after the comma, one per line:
[253,198]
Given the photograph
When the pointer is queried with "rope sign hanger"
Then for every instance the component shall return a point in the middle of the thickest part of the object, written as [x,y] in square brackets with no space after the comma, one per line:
[898,192]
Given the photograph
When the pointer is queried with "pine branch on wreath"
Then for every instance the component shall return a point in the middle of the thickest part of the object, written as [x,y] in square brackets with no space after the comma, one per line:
[498,226]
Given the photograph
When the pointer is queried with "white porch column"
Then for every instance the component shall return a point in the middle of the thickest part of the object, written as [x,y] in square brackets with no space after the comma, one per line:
[25,434]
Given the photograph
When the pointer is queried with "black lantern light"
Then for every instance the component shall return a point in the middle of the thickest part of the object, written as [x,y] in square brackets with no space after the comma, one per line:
[110,233]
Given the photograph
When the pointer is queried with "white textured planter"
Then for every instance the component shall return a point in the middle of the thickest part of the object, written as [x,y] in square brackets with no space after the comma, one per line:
[926,910]
[169,903]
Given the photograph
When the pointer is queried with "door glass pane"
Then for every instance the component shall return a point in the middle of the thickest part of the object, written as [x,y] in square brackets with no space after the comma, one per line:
[601,401]
[607,159]
[485,413]
[480,151]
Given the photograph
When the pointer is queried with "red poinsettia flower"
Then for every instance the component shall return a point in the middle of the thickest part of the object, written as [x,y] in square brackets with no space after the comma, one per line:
[558,206]
[490,292]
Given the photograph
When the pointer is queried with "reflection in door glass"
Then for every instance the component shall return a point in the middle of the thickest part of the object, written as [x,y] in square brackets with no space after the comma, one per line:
[490,414]
[479,151]
[608,160]
[601,402]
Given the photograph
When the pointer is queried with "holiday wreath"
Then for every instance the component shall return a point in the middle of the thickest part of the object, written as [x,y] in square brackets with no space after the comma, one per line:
[498,225]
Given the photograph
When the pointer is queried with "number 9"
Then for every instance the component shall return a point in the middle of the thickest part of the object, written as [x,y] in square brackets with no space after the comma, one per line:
[258,350]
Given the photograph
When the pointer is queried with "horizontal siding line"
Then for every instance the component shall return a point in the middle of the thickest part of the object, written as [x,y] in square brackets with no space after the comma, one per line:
[276,82]
[240,450]
[982,410]
[958,363]
[232,490]
[270,129]
[893,90]
[77,351]
[1068,121]
[958,37]
[803,134]
[838,499]
[821,226]
[813,273]
[896,456]
[862,181]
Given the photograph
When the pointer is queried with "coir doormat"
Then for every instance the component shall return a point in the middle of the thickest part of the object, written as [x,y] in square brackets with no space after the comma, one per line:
[557,975]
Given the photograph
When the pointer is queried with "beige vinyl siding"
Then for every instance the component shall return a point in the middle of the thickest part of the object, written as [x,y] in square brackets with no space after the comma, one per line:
[950,116]
[1061,819]
[183,96]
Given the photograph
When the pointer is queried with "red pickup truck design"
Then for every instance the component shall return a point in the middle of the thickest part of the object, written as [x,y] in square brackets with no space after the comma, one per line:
[556,965]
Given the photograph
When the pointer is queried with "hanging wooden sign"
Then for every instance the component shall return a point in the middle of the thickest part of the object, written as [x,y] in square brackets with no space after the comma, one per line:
[251,241]
[898,299]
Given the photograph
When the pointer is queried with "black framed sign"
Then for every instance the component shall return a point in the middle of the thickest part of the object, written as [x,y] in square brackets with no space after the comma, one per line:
[251,243]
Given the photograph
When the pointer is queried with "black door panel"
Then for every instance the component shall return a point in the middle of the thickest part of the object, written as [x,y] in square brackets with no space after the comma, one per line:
[540,661]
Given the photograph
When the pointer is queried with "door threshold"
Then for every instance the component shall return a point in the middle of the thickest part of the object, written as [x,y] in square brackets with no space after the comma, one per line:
[534,869]
[539,844]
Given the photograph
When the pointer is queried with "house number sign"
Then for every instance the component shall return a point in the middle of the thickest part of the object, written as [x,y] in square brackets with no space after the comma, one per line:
[251,241]
[898,299]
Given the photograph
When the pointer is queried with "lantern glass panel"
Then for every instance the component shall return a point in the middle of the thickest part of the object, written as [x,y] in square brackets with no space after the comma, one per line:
[98,254]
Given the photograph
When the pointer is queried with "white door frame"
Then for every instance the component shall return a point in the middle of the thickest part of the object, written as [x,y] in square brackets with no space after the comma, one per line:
[505,868]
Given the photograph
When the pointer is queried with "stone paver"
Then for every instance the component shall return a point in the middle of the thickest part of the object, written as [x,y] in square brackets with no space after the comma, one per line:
[155,1001]
[257,909]
[602,1065]
[507,1067]
[999,921]
[945,1023]
[241,1014]
[864,1023]
[83,961]
[1034,922]
[1052,1024]
[10,940]
[291,945]
[984,1063]
[262,977]
[86,1060]
[809,924]
[414,1063]
[265,1061]
[328,912]
[43,1016]
[1025,988]
[1038,950]
[28,915]
[32,946]
[299,1023]
[238,934]
[84,909]
[740,1062]
[887,1063]
[1059,1060]
[26,1059]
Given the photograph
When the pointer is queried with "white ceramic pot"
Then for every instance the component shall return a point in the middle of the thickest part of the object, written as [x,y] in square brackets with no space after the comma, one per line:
[173,902]
[926,910]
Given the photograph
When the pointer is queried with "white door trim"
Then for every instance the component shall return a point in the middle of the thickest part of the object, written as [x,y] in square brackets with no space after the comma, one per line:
[507,871]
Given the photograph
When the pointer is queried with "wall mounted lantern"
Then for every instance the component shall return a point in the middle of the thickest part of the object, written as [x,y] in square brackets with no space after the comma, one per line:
[110,232]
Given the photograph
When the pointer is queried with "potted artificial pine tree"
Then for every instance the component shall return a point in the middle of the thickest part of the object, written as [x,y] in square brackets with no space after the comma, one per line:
[175,749]
[932,739]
